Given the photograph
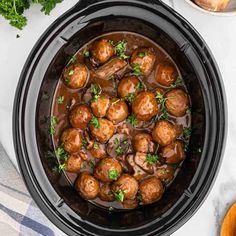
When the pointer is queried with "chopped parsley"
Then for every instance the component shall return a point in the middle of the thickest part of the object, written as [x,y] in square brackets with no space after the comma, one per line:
[94,121]
[84,143]
[119,150]
[92,163]
[164,172]
[86,53]
[59,168]
[113,174]
[96,91]
[116,141]
[67,81]
[60,99]
[139,196]
[61,153]
[95,146]
[151,158]
[120,49]
[137,70]
[54,121]
[161,100]
[140,85]
[71,72]
[188,110]
[187,132]
[165,116]
[119,195]
[132,120]
[177,83]
[130,97]
[142,54]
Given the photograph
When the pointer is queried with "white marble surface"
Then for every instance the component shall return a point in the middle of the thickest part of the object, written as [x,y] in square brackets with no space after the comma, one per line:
[220,35]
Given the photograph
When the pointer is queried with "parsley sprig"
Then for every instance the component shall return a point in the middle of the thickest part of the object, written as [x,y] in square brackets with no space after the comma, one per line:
[113,174]
[53,123]
[119,195]
[177,83]
[120,49]
[12,10]
[96,91]
[132,120]
[152,158]
[137,70]
[94,121]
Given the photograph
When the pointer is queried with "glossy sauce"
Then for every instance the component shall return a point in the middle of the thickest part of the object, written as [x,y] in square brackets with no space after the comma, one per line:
[109,86]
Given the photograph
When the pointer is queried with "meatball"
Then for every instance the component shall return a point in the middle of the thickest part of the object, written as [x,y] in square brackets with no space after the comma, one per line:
[125,188]
[145,58]
[104,131]
[100,105]
[177,103]
[75,76]
[129,85]
[166,74]
[164,132]
[105,193]
[151,190]
[73,163]
[87,186]
[110,68]
[80,116]
[145,106]
[107,170]
[118,111]
[173,153]
[130,204]
[72,140]
[102,51]
[142,142]
[98,150]
[165,174]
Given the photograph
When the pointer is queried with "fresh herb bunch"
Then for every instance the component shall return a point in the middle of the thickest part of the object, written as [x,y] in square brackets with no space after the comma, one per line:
[12,10]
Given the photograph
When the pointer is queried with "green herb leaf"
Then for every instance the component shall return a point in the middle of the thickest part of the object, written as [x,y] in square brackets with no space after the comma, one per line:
[67,81]
[47,5]
[130,97]
[94,121]
[92,163]
[71,72]
[119,150]
[142,54]
[140,85]
[61,153]
[60,99]
[61,167]
[95,146]
[116,141]
[139,196]
[132,120]
[119,195]
[113,174]
[96,91]
[137,70]
[86,53]
[84,143]
[120,49]
[151,158]
[54,121]
[188,110]
[73,59]
[177,83]
[187,132]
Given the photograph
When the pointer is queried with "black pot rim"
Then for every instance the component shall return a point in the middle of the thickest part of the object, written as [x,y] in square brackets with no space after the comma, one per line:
[18,133]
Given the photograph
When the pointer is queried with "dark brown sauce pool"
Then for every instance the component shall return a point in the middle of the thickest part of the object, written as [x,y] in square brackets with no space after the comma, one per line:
[109,86]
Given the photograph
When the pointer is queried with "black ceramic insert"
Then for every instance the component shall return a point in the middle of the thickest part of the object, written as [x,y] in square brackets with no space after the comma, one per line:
[32,107]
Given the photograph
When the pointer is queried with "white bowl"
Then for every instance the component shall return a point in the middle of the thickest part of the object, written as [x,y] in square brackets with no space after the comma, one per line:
[229,11]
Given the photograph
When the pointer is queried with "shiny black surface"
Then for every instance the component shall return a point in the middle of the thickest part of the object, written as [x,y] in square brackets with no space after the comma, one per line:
[51,192]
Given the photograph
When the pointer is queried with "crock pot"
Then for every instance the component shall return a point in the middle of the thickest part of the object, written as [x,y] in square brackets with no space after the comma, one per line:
[32,108]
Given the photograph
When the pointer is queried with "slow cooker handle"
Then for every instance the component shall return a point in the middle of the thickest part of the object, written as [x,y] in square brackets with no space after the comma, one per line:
[86,3]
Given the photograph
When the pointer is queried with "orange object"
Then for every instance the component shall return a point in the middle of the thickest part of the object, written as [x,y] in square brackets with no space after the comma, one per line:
[212,5]
[228,227]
